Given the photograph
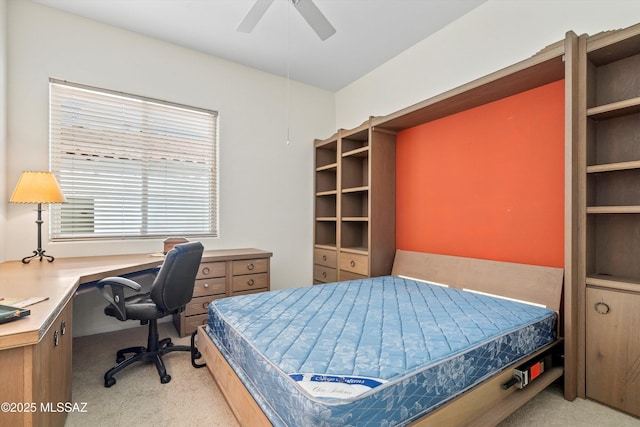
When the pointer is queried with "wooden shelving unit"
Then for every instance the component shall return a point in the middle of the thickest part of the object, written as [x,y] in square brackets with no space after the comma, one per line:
[326,193]
[610,95]
[355,194]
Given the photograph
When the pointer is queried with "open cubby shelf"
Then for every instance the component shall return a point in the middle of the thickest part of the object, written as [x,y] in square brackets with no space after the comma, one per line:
[358,152]
[613,209]
[615,109]
[355,250]
[612,167]
[355,204]
[613,282]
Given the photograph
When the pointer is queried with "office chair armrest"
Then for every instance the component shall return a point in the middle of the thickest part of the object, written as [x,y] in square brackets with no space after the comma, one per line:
[116,299]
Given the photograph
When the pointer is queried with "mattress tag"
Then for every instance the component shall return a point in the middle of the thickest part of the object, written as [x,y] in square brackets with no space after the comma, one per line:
[336,386]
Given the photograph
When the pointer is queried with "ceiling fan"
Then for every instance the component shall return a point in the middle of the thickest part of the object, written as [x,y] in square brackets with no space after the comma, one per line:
[307,9]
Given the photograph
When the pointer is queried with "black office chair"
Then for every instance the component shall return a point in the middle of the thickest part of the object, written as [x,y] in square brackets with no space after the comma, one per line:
[171,290]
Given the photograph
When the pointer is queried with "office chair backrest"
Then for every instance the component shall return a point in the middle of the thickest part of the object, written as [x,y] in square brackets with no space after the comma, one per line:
[173,287]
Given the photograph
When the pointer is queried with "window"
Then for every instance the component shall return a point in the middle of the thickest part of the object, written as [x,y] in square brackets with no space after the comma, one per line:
[131,167]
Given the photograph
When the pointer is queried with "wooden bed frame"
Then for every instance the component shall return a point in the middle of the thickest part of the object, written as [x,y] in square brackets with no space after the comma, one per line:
[486,403]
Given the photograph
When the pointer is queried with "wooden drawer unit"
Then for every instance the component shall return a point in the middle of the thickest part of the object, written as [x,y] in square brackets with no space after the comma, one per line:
[200,305]
[223,273]
[354,263]
[325,257]
[250,275]
[211,269]
[325,262]
[214,286]
[324,274]
[192,322]
[347,275]
[250,281]
[250,266]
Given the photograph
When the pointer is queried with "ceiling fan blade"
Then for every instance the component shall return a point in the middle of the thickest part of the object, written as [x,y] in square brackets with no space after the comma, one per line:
[256,13]
[315,18]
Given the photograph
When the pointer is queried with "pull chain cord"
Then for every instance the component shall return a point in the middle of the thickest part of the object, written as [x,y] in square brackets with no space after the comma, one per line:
[288,101]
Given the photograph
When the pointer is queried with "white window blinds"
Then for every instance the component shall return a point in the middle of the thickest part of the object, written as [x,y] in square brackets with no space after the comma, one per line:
[131,166]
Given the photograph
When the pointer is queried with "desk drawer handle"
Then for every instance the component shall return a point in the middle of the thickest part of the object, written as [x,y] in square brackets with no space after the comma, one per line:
[204,304]
[324,257]
[205,270]
[206,285]
[55,338]
[352,263]
[250,267]
[63,327]
[324,274]
[250,282]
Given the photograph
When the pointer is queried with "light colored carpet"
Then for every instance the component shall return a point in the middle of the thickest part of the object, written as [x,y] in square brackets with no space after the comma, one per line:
[550,409]
[192,397]
[138,398]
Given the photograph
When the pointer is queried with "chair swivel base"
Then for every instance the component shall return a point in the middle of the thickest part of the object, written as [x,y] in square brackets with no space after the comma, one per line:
[153,353]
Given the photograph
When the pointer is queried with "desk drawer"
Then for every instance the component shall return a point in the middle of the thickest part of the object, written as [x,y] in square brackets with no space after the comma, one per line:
[213,286]
[325,257]
[250,266]
[354,263]
[199,305]
[252,291]
[324,274]
[347,275]
[211,269]
[192,322]
[250,282]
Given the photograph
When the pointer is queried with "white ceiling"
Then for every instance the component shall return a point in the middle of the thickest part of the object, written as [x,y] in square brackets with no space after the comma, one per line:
[368,32]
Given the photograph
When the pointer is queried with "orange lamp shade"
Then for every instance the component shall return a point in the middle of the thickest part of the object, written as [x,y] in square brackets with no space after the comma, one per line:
[37,187]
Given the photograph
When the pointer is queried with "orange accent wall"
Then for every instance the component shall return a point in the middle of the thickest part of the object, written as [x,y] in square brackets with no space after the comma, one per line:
[487,182]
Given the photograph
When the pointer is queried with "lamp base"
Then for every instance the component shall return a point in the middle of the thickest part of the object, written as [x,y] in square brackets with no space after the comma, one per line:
[37,253]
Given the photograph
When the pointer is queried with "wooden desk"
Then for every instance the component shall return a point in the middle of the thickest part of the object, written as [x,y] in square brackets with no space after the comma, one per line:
[36,351]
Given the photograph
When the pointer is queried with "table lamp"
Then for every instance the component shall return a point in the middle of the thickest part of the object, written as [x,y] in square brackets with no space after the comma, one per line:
[37,187]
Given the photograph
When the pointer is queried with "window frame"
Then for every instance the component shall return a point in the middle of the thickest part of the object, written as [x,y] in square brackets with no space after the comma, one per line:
[167,158]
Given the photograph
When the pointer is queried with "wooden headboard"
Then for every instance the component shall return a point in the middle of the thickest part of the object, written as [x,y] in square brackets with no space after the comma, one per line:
[536,284]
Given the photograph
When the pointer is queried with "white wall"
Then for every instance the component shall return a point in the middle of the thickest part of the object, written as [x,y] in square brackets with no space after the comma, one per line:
[495,35]
[3,123]
[265,184]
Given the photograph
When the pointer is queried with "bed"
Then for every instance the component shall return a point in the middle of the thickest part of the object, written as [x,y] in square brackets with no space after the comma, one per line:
[372,351]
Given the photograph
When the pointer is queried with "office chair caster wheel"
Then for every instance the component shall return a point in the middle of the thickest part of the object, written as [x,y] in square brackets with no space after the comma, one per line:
[165,379]
[108,382]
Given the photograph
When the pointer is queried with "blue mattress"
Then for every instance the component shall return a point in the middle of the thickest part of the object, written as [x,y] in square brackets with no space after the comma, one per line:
[381,351]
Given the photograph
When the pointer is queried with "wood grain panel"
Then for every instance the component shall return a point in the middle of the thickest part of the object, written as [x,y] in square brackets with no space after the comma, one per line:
[250,266]
[245,409]
[537,284]
[613,349]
